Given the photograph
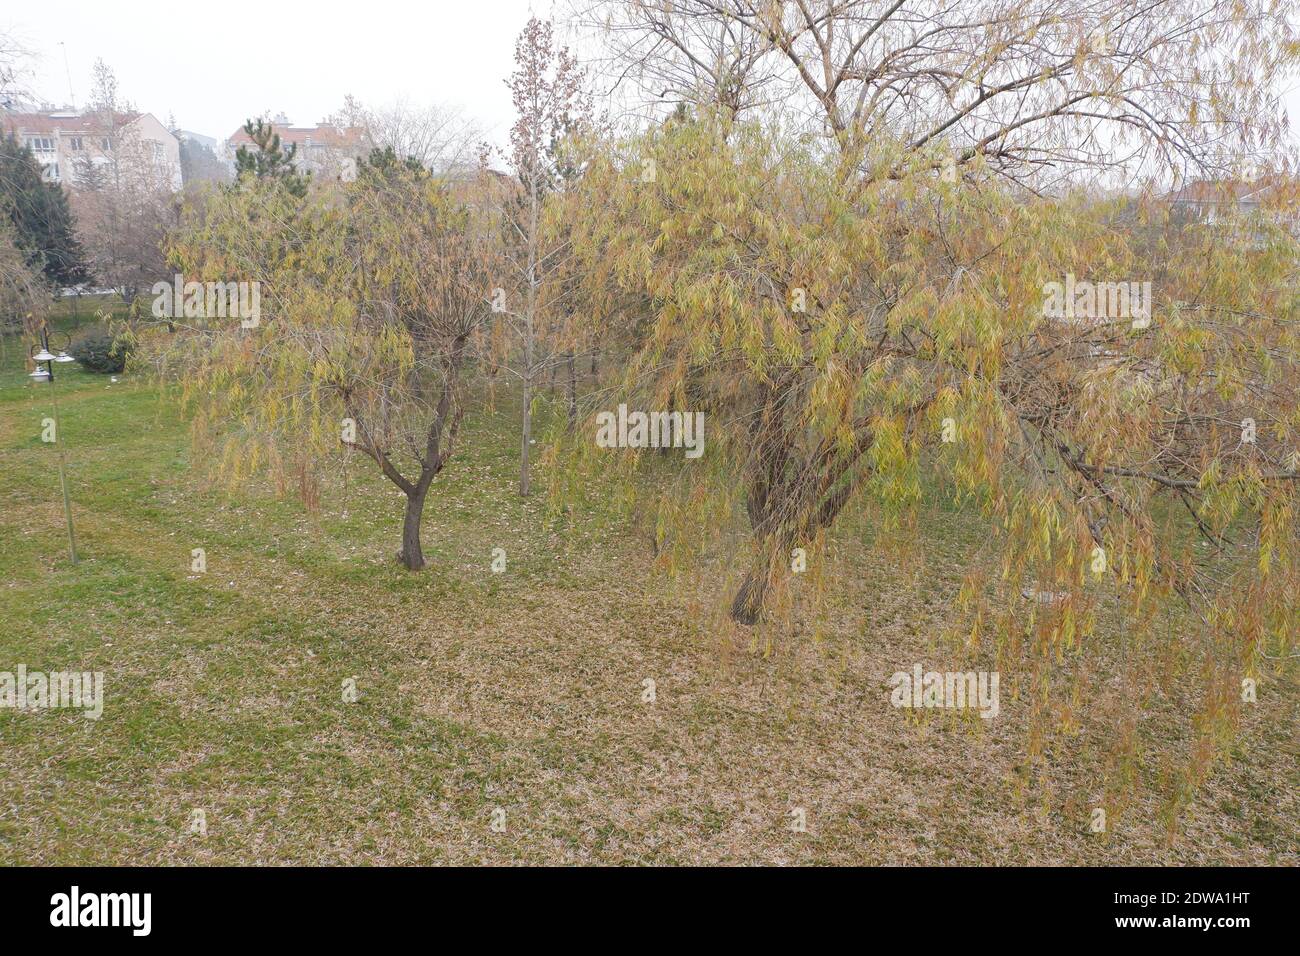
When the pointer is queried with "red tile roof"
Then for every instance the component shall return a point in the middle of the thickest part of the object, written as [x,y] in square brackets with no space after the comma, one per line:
[1227,191]
[323,135]
[59,121]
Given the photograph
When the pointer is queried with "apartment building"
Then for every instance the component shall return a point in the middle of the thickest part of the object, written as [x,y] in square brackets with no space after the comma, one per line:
[324,150]
[1214,200]
[64,141]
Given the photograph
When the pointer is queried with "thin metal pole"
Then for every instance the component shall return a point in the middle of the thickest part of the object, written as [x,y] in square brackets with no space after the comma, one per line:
[63,483]
[58,440]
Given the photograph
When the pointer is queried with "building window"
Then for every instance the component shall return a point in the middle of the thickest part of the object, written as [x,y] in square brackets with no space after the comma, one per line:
[41,144]
[103,144]
[74,143]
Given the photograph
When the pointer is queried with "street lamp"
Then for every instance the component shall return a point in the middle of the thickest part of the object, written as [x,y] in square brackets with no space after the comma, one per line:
[42,354]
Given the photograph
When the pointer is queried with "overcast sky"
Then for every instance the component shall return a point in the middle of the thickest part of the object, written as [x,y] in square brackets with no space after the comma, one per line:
[213,65]
[216,64]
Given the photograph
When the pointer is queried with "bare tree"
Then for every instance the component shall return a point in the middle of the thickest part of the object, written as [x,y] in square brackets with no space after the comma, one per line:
[438,137]
[552,107]
[674,54]
[1029,87]
[15,70]
[122,196]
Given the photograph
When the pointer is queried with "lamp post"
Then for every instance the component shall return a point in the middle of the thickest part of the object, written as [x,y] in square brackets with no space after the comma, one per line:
[42,354]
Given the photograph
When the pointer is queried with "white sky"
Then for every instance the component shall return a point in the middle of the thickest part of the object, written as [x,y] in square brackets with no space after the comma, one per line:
[215,64]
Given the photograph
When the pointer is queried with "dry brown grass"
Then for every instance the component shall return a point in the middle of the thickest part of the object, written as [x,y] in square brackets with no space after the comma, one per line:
[521,691]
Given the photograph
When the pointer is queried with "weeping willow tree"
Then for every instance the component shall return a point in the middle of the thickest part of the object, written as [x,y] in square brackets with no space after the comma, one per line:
[841,341]
[23,292]
[374,299]
[1113,385]
[838,217]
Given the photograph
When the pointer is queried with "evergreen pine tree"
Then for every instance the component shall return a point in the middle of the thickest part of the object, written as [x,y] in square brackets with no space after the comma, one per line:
[269,160]
[41,216]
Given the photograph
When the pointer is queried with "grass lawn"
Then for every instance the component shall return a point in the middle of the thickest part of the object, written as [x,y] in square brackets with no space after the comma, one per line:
[520,691]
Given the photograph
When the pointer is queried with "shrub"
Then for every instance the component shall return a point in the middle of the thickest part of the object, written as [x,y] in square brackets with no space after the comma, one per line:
[98,349]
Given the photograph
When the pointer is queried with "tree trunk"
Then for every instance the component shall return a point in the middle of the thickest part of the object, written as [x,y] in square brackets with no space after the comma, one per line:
[530,319]
[573,391]
[747,605]
[526,432]
[412,556]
